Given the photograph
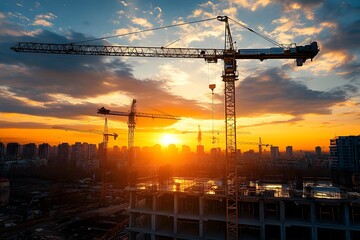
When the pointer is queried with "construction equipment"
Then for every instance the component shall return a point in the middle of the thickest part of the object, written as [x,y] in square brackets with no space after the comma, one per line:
[260,145]
[228,54]
[199,138]
[212,87]
[131,127]
[106,135]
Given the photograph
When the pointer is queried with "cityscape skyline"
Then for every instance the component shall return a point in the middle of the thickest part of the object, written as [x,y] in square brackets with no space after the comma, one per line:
[287,150]
[275,100]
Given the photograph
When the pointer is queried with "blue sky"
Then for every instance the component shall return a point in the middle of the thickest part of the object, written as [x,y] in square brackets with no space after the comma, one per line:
[275,99]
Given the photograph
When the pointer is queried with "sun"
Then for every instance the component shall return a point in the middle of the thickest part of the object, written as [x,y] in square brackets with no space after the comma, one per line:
[167,139]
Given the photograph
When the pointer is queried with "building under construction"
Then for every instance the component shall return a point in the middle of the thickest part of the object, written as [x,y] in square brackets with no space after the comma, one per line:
[183,208]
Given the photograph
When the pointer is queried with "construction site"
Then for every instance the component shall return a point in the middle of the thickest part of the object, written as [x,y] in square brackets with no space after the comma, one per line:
[195,209]
[228,206]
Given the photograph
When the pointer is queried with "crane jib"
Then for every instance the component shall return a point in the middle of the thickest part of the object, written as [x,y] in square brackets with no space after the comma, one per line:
[211,55]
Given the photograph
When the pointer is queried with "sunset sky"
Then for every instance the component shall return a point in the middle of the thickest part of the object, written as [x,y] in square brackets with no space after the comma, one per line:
[283,104]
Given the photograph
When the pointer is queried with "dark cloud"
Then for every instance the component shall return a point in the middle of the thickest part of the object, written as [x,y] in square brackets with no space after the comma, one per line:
[5,124]
[290,121]
[274,92]
[59,110]
[347,37]
[337,11]
[39,77]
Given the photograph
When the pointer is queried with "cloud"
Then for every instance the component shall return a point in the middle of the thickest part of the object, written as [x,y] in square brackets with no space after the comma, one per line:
[251,4]
[17,15]
[159,12]
[6,124]
[346,36]
[59,85]
[44,20]
[10,104]
[290,121]
[273,91]
[123,3]
[141,22]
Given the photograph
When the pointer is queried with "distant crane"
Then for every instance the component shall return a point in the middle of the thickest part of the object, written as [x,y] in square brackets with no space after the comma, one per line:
[131,129]
[228,54]
[260,145]
[106,135]
[199,138]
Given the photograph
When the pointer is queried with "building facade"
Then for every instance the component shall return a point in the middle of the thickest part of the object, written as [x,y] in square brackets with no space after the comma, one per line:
[345,153]
[186,209]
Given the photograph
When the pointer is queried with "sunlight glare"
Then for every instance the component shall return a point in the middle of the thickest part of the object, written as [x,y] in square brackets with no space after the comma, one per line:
[167,139]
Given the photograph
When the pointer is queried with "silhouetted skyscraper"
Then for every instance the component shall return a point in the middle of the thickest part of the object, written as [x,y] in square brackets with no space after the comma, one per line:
[2,151]
[274,152]
[289,152]
[345,153]
[44,151]
[318,151]
[29,151]
[63,153]
[76,152]
[92,151]
[13,151]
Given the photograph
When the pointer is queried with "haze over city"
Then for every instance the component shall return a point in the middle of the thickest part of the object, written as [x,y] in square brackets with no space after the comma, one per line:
[275,100]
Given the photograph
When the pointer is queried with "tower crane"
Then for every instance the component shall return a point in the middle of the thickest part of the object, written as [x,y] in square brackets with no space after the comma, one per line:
[260,145]
[131,129]
[228,54]
[106,135]
[199,138]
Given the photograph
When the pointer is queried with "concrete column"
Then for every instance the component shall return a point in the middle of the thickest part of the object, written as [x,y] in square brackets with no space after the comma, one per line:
[176,211]
[153,216]
[201,215]
[132,219]
[313,221]
[153,226]
[282,220]
[347,221]
[262,219]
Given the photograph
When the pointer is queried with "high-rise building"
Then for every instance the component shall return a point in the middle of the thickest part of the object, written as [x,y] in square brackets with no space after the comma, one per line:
[29,151]
[250,155]
[92,151]
[289,152]
[318,152]
[53,153]
[274,152]
[13,151]
[185,150]
[85,151]
[215,154]
[63,153]
[44,151]
[2,151]
[345,153]
[77,153]
[200,149]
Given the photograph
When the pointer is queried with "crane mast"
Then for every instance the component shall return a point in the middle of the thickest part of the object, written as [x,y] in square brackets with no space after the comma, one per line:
[229,77]
[228,54]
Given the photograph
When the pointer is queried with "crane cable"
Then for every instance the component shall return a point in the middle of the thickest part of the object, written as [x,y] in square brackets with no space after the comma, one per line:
[259,34]
[145,30]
